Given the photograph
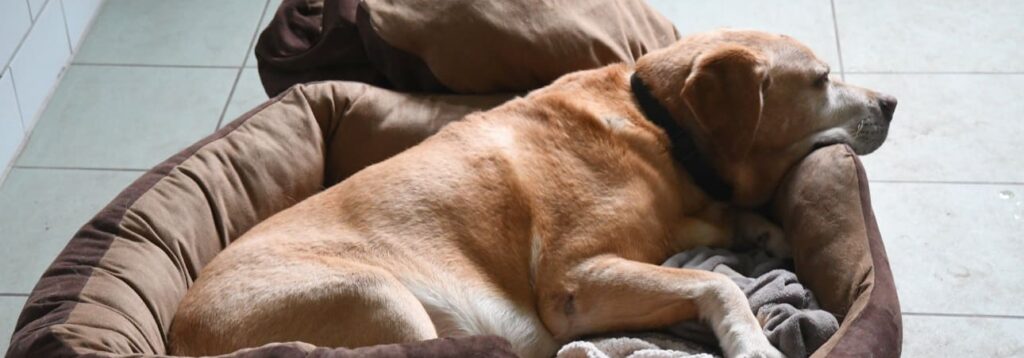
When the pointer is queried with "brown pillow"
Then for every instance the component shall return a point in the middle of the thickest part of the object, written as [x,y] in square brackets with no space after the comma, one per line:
[462,46]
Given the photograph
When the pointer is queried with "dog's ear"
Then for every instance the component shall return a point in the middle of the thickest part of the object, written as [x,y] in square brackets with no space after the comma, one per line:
[724,90]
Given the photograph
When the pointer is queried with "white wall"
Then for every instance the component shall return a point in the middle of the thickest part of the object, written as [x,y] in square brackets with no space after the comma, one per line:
[37,40]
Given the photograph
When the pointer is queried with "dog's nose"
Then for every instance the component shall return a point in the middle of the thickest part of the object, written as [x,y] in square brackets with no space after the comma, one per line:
[888,105]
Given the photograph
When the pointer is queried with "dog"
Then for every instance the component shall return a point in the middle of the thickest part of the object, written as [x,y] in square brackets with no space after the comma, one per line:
[546,218]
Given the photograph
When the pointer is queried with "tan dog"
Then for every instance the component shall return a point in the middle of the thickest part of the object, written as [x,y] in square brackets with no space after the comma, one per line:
[543,219]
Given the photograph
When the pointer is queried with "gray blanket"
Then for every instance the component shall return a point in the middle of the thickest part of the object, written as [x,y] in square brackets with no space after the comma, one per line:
[789,313]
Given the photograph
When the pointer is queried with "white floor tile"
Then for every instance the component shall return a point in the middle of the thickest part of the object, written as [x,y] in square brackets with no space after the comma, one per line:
[930,336]
[268,15]
[10,308]
[954,248]
[40,210]
[951,128]
[931,35]
[248,94]
[127,117]
[182,32]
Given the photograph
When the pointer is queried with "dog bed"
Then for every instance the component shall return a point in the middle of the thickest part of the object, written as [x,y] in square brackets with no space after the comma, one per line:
[115,287]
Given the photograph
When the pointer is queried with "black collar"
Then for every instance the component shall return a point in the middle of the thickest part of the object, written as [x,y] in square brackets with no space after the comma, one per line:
[684,150]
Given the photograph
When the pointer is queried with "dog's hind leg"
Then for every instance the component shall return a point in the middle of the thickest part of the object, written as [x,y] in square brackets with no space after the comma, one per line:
[326,302]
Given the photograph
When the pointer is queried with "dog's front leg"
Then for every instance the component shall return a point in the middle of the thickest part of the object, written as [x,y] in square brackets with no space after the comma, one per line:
[609,293]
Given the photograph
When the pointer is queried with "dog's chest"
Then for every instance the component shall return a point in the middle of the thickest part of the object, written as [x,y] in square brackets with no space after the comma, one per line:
[459,308]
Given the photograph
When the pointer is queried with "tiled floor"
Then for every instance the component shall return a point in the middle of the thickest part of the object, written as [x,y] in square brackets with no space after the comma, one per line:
[948,186]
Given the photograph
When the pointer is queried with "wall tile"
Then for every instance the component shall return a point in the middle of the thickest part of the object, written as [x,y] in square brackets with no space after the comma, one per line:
[11,130]
[14,22]
[36,6]
[79,13]
[40,60]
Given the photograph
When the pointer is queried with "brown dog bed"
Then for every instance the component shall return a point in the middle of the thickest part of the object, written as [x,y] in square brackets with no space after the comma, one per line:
[115,287]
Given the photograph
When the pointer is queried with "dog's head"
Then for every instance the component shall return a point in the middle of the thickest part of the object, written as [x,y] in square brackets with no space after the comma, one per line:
[757,103]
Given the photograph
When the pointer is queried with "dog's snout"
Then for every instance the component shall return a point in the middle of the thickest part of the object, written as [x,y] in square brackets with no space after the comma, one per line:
[888,105]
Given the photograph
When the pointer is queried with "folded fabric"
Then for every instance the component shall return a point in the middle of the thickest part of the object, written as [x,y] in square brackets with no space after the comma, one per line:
[787,310]
[641,346]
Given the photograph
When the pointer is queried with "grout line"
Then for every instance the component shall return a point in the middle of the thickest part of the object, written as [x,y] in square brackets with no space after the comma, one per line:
[967,182]
[44,167]
[67,31]
[255,35]
[6,170]
[6,294]
[17,101]
[155,65]
[86,30]
[238,76]
[935,73]
[41,8]
[31,25]
[28,6]
[227,102]
[839,49]
[965,315]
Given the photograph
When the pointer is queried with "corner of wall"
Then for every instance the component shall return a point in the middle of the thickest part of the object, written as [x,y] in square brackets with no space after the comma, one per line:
[38,39]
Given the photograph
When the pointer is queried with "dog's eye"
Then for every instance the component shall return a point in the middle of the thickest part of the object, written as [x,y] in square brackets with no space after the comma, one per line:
[821,80]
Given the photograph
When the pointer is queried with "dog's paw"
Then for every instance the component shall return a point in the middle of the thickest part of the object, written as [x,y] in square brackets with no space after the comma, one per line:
[770,352]
[755,230]
[755,347]
[749,341]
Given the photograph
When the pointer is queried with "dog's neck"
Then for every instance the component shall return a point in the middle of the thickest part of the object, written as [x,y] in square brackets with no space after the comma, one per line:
[684,149]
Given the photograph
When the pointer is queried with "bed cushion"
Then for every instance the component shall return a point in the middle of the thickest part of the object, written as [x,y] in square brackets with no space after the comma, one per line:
[115,287]
[461,46]
[824,206]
